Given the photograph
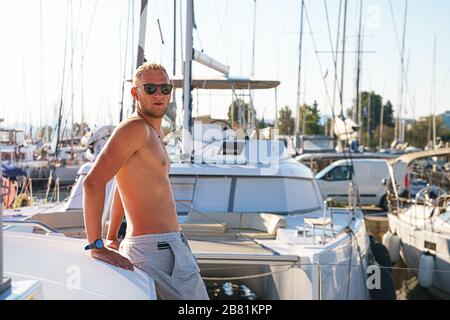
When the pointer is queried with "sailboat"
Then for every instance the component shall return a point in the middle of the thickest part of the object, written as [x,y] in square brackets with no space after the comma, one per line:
[419,217]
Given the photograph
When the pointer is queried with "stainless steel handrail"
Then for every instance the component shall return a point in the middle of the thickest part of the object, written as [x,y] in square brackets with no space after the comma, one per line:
[31,223]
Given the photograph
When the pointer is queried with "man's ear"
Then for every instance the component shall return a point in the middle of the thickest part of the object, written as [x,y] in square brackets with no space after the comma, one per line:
[134,93]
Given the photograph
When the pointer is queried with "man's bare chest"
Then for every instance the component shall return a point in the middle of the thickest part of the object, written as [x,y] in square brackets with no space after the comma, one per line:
[153,155]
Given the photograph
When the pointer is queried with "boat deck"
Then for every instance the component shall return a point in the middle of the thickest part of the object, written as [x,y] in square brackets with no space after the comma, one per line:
[234,250]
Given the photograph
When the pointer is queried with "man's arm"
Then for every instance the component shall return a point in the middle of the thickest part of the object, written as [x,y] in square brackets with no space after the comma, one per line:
[115,220]
[126,139]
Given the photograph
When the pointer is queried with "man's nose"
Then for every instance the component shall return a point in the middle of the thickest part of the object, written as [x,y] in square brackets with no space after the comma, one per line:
[158,91]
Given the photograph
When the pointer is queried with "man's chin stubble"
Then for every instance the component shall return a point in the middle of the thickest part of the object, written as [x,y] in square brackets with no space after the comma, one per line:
[152,114]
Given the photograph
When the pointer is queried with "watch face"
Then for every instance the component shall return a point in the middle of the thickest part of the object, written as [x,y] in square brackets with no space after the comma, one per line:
[99,244]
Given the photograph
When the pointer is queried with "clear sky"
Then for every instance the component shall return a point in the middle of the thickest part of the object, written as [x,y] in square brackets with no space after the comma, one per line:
[34,34]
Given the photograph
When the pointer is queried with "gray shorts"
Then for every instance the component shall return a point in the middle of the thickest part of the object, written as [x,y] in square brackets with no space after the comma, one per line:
[168,259]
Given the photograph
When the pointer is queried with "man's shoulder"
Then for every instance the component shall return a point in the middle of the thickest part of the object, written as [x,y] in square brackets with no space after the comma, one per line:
[131,129]
[132,123]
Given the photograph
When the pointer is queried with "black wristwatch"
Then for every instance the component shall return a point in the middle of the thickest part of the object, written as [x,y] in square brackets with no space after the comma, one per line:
[97,244]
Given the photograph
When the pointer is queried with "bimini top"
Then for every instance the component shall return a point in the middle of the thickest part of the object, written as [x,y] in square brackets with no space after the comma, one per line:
[409,157]
[227,84]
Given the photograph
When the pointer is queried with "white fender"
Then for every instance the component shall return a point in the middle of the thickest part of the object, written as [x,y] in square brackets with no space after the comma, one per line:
[392,243]
[426,270]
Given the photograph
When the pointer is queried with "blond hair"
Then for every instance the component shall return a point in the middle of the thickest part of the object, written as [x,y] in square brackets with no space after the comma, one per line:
[146,67]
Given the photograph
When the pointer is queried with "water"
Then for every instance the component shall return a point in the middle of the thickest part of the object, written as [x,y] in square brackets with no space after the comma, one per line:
[229,291]
[406,283]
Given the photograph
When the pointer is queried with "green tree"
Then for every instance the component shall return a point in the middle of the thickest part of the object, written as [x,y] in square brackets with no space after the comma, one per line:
[312,126]
[388,112]
[286,124]
[420,133]
[387,137]
[373,114]
[375,110]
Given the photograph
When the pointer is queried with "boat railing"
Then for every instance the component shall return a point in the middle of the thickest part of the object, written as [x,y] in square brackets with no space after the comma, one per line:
[32,223]
[320,222]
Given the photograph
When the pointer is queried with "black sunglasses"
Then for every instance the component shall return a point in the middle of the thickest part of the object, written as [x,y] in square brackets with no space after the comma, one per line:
[152,88]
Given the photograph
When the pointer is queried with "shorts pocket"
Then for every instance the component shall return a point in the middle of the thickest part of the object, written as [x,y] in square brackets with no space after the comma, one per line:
[185,265]
[133,253]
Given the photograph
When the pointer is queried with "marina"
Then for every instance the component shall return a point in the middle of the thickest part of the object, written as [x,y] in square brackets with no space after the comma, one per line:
[345,196]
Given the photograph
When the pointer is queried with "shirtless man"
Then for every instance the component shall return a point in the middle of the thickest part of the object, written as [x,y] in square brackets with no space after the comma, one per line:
[136,157]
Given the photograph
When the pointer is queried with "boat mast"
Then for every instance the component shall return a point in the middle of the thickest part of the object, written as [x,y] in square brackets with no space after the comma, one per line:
[130,11]
[82,88]
[174,68]
[71,80]
[251,116]
[41,38]
[380,146]
[357,109]
[335,60]
[344,34]
[400,123]
[58,130]
[132,67]
[368,118]
[187,78]
[142,26]
[276,92]
[253,44]
[433,95]
[297,105]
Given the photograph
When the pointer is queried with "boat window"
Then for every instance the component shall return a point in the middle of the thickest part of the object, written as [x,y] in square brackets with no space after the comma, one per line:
[204,194]
[276,195]
[212,194]
[183,192]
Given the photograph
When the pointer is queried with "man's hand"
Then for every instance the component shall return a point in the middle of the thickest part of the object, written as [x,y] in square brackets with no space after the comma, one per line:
[113,244]
[112,257]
